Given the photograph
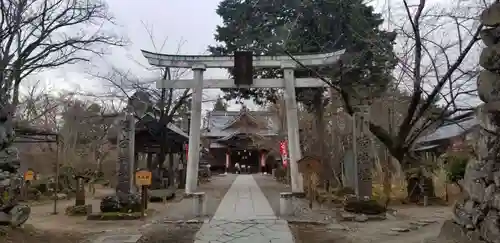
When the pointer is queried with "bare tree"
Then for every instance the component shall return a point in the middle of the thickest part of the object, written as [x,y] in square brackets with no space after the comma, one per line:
[41,34]
[432,70]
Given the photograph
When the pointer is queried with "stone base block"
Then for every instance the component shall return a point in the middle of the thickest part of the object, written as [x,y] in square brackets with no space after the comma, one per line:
[286,204]
[198,204]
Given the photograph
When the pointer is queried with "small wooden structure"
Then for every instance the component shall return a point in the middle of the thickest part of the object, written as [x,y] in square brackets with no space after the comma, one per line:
[310,167]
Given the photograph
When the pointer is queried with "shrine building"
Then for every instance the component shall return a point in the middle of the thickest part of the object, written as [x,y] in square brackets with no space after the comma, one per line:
[249,138]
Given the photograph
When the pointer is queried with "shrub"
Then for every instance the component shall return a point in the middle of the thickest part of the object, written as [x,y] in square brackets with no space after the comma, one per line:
[455,166]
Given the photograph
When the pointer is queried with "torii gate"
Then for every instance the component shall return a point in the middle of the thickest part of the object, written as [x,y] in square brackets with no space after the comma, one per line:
[201,62]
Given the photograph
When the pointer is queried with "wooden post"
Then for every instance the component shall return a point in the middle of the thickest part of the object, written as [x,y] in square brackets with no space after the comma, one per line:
[143,179]
[56,187]
[144,201]
[311,194]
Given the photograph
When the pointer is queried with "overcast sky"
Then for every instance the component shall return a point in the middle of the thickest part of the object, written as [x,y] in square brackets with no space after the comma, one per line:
[190,22]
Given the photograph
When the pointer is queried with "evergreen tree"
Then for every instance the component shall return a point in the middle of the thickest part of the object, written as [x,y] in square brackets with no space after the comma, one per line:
[273,27]
[295,27]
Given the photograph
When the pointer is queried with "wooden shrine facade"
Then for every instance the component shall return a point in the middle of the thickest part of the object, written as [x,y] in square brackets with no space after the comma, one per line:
[249,138]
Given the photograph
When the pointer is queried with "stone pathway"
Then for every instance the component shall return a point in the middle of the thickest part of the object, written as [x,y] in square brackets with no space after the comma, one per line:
[244,215]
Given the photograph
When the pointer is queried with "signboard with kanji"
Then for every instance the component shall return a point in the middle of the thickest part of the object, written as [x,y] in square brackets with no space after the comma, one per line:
[143,178]
[29,175]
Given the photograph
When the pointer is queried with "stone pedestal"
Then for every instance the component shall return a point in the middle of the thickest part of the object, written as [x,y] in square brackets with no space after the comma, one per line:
[198,204]
[286,204]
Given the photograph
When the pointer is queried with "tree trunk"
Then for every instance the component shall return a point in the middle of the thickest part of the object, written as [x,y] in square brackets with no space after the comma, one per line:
[9,158]
[171,172]
[327,175]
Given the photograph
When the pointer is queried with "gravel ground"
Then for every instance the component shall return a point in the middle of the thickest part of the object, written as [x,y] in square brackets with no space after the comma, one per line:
[359,232]
[160,232]
[317,234]
[214,190]
[272,189]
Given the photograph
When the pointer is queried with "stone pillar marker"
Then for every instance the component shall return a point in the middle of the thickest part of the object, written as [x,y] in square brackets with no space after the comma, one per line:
[125,163]
[292,127]
[194,130]
[362,153]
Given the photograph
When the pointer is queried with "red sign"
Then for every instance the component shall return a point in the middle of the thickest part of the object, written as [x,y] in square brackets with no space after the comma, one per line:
[186,147]
[283,149]
[228,159]
[284,152]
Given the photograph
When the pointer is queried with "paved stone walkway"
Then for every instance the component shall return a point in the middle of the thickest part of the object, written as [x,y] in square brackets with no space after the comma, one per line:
[244,215]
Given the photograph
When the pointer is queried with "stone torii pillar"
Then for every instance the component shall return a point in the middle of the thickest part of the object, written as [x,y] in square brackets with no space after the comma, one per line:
[194,130]
[292,127]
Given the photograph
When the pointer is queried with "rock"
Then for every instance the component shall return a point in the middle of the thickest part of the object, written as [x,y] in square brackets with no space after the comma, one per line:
[488,86]
[347,217]
[427,221]
[419,224]
[61,196]
[490,36]
[454,233]
[496,178]
[495,203]
[390,216]
[376,217]
[19,215]
[490,58]
[460,215]
[361,218]
[490,227]
[336,226]
[402,230]
[491,15]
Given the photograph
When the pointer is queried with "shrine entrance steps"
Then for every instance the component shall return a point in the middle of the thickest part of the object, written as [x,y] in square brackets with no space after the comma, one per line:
[244,215]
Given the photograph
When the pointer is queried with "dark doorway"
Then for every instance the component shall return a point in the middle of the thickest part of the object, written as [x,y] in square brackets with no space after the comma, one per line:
[246,158]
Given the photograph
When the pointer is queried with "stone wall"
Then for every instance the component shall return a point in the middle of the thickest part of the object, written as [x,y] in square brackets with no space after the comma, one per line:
[477,213]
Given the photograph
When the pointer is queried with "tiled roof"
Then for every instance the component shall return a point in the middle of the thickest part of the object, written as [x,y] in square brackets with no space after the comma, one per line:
[450,130]
[217,122]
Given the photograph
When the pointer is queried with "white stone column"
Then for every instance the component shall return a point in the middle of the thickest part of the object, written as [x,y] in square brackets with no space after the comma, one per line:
[194,131]
[292,127]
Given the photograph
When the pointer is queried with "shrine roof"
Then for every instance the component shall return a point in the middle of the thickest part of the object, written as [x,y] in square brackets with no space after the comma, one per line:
[238,135]
[219,123]
[450,130]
